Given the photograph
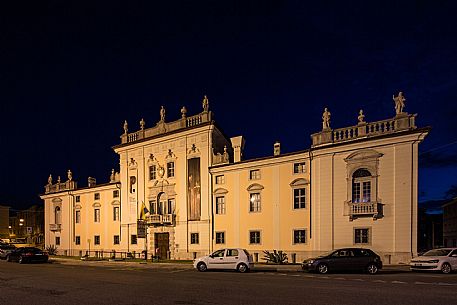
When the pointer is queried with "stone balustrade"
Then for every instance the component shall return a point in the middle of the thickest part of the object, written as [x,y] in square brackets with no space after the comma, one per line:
[161,219]
[55,227]
[58,187]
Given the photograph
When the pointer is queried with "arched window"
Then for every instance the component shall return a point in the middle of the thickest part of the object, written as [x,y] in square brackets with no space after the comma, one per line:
[57,215]
[361,186]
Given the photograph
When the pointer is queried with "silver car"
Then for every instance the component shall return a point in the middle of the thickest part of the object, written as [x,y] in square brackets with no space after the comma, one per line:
[230,258]
[5,249]
[443,259]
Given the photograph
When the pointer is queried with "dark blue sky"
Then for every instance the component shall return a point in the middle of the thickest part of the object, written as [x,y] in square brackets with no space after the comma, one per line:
[70,74]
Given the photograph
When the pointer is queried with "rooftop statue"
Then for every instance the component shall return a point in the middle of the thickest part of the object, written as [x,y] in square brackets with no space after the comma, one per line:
[205,103]
[361,117]
[50,180]
[126,127]
[162,114]
[142,123]
[183,111]
[326,119]
[69,175]
[399,102]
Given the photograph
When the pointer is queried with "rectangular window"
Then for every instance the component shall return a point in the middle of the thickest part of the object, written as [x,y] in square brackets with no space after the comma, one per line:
[116,215]
[97,196]
[254,237]
[77,240]
[116,240]
[299,167]
[78,198]
[254,174]
[152,172]
[152,207]
[96,215]
[171,206]
[355,192]
[78,216]
[97,240]
[57,240]
[366,191]
[299,198]
[220,179]
[220,205]
[362,236]
[170,169]
[254,202]
[116,194]
[299,236]
[133,239]
[220,238]
[194,238]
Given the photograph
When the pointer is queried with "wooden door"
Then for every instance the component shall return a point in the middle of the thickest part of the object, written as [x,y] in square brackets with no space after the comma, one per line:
[161,245]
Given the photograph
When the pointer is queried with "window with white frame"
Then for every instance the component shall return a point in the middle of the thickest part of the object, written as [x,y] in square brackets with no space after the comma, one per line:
[194,238]
[220,238]
[361,186]
[299,236]
[170,169]
[116,215]
[254,237]
[362,236]
[78,216]
[254,174]
[299,167]
[171,206]
[96,215]
[220,179]
[152,172]
[220,205]
[254,202]
[57,215]
[299,198]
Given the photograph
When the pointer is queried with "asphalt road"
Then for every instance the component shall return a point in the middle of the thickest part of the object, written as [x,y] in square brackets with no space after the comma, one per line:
[61,283]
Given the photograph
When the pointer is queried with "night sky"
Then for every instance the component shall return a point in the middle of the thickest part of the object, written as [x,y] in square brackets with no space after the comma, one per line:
[71,74]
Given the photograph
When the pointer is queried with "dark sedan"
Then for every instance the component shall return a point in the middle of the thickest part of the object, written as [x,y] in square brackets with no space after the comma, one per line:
[27,255]
[348,259]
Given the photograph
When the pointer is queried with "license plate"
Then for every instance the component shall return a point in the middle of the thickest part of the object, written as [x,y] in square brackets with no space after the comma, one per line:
[38,254]
[418,265]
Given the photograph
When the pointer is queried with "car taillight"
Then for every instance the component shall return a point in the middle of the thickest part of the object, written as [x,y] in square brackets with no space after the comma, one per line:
[28,254]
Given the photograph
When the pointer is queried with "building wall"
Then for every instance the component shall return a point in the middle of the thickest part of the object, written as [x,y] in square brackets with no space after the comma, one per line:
[4,222]
[450,224]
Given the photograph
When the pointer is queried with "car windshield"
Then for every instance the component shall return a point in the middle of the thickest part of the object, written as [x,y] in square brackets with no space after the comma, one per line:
[437,252]
[326,253]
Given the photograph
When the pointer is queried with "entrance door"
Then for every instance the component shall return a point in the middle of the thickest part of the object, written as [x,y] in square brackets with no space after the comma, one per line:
[161,245]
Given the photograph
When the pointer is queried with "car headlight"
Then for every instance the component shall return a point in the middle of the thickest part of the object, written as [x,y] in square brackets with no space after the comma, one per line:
[310,261]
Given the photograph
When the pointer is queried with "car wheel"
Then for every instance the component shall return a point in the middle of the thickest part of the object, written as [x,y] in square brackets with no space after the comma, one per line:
[322,268]
[8,258]
[446,268]
[21,260]
[202,267]
[242,268]
[372,269]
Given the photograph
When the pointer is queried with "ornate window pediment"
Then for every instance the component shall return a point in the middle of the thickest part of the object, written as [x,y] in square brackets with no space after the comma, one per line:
[96,205]
[115,202]
[255,187]
[299,182]
[220,191]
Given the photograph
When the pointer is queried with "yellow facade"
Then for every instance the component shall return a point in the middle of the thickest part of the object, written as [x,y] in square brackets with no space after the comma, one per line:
[355,186]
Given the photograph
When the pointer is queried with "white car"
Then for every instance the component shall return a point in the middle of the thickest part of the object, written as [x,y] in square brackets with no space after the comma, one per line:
[443,259]
[236,259]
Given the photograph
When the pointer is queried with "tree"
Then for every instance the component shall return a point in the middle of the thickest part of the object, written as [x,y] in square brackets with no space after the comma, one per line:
[451,192]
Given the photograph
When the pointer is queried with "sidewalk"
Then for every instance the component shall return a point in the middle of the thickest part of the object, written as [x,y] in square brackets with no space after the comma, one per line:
[262,267]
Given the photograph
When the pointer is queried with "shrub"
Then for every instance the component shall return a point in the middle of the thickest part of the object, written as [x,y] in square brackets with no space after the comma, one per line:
[276,257]
[51,249]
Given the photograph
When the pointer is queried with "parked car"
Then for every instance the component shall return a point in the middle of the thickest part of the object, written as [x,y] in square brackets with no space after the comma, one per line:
[236,259]
[347,259]
[5,249]
[444,260]
[27,255]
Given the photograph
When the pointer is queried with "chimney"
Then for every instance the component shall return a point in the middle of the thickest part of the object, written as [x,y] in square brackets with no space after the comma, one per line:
[277,148]
[238,147]
[91,182]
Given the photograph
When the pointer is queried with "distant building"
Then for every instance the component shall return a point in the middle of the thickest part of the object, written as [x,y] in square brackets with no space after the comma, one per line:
[187,183]
[430,229]
[450,223]
[4,221]
[28,225]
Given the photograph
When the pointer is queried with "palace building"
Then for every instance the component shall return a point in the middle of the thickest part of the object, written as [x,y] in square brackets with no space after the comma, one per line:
[184,190]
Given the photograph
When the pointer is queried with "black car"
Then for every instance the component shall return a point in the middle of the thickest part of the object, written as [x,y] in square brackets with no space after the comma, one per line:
[347,259]
[27,255]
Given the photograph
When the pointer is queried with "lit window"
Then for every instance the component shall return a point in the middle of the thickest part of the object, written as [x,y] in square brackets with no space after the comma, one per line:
[116,213]
[220,237]
[220,205]
[299,236]
[194,238]
[254,202]
[299,198]
[254,174]
[220,179]
[254,237]
[362,236]
[170,169]
[299,167]
[96,215]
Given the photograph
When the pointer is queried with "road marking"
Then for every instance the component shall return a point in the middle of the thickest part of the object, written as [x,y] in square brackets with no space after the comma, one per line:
[398,282]
[282,274]
[340,278]
[422,283]
[358,280]
[379,281]
[176,271]
[295,275]
[446,284]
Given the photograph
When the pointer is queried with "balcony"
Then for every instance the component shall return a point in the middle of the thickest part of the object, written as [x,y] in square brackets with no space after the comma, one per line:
[363,209]
[55,227]
[165,219]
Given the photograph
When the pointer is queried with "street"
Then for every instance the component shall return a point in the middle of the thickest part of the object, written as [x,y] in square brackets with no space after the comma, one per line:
[92,283]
